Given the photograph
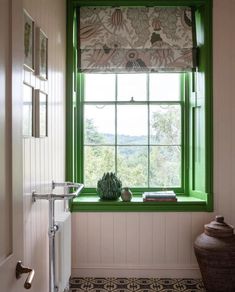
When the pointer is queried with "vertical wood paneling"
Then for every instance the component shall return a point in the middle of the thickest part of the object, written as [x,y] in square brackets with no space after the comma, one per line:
[120,238]
[44,158]
[233,121]
[224,106]
[163,242]
[94,238]
[107,238]
[154,241]
[172,238]
[146,238]
[184,236]
[132,242]
[159,238]
[79,243]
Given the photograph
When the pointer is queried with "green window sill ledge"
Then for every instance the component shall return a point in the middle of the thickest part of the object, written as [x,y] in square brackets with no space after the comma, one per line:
[89,203]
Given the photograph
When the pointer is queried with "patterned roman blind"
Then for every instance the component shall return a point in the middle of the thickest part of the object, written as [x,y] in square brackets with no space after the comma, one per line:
[135,39]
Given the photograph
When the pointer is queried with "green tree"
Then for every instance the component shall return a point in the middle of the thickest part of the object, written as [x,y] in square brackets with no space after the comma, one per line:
[92,136]
[166,125]
[165,161]
[132,161]
[97,159]
[132,166]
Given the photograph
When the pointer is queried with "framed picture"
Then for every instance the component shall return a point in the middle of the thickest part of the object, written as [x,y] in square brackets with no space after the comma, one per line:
[41,54]
[28,117]
[29,63]
[41,113]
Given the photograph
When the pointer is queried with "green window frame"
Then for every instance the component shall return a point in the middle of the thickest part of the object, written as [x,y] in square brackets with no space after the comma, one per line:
[82,103]
[197,191]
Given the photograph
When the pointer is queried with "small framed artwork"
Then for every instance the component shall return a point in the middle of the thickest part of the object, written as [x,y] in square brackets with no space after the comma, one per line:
[41,114]
[29,63]
[41,54]
[28,97]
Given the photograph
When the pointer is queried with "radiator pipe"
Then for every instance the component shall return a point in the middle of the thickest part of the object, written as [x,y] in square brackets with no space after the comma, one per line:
[53,228]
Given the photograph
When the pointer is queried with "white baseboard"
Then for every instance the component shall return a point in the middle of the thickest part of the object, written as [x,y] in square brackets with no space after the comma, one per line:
[159,271]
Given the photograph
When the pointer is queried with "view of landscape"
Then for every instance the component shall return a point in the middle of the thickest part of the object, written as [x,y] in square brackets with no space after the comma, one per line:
[141,143]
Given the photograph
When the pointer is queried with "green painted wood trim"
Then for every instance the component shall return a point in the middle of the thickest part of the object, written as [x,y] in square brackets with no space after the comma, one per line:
[138,2]
[136,191]
[80,135]
[205,66]
[94,204]
[199,195]
[186,133]
[80,130]
[183,132]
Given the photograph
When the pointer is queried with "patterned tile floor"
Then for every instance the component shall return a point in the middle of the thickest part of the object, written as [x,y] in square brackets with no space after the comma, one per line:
[135,285]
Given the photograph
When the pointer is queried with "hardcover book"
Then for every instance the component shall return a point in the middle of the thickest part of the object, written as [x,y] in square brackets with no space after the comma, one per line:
[161,196]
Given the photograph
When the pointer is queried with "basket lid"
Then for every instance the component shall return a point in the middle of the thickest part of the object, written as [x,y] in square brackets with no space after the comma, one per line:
[219,228]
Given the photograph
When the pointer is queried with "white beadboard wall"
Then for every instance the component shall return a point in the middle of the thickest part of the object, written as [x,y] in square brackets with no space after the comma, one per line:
[44,158]
[160,244]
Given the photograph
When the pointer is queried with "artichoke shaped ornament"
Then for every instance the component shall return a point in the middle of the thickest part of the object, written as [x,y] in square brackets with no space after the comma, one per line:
[109,187]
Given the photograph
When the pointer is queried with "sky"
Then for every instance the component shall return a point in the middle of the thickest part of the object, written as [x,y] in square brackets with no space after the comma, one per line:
[131,119]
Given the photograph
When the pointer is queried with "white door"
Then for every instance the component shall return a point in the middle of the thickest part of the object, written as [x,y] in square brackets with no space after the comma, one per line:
[11,198]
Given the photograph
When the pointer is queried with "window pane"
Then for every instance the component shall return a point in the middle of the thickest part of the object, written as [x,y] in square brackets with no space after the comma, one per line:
[99,124]
[132,86]
[132,124]
[132,165]
[165,166]
[99,87]
[164,86]
[165,124]
[97,160]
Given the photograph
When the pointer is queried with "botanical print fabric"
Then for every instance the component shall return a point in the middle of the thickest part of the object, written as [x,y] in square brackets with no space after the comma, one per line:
[134,39]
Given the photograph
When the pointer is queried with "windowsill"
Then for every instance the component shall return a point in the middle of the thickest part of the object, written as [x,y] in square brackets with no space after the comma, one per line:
[89,203]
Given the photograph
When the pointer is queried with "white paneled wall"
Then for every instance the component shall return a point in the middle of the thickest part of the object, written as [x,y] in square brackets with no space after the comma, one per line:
[160,244]
[135,244]
[44,158]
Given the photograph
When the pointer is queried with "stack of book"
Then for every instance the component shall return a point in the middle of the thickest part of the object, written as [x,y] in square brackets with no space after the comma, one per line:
[162,196]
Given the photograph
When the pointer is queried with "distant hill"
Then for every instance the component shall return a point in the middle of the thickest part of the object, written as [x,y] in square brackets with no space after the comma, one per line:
[129,140]
[126,139]
[129,144]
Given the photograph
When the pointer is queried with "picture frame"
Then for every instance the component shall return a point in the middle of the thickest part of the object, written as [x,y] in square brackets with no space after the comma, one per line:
[29,42]
[28,111]
[41,54]
[41,114]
